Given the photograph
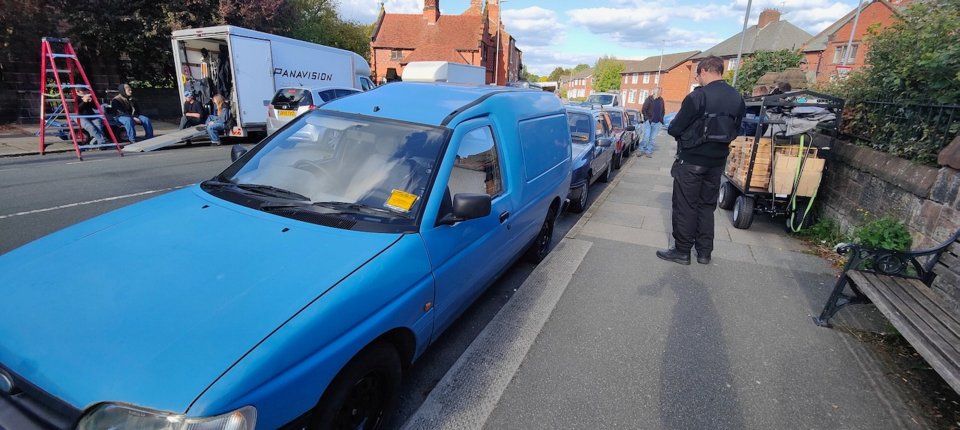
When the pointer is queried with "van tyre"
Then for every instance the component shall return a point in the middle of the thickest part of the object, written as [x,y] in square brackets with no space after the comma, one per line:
[605,177]
[728,196]
[617,160]
[743,212]
[541,244]
[581,203]
[362,395]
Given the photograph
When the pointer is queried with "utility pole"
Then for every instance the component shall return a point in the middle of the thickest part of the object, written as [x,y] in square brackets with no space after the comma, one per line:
[743,34]
[662,43]
[846,55]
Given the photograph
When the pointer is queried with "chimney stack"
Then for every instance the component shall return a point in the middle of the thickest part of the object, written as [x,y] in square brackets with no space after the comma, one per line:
[768,16]
[431,11]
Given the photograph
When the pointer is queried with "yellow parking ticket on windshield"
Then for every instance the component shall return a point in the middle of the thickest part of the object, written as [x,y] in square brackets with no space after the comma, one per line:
[401,200]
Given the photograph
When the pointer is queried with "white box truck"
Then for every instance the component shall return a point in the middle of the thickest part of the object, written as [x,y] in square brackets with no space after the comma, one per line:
[248,66]
[444,71]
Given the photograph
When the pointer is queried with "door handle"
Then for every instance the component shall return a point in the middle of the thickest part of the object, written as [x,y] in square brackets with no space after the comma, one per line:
[503,216]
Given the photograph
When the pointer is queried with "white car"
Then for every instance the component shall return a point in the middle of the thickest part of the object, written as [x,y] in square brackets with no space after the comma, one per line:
[288,103]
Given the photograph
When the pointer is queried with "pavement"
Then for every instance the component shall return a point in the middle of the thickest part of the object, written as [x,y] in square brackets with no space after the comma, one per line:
[23,139]
[604,335]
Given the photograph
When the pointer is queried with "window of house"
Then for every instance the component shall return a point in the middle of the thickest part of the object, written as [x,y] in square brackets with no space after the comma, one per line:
[841,51]
[733,64]
[477,169]
[643,95]
[396,54]
[646,78]
[633,96]
[636,76]
[624,78]
[656,78]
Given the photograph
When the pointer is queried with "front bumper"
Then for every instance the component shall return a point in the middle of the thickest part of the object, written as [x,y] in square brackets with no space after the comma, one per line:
[27,407]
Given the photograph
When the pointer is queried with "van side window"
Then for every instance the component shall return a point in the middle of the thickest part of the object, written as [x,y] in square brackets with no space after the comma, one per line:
[477,169]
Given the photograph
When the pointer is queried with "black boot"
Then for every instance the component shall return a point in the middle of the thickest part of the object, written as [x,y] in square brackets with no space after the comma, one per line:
[703,258]
[674,255]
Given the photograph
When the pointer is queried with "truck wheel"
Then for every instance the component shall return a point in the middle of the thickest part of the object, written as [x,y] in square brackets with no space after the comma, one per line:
[541,245]
[362,395]
[581,203]
[743,212]
[728,196]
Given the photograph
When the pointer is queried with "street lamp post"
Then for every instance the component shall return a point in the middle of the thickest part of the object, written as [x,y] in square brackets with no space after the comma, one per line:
[846,55]
[662,43]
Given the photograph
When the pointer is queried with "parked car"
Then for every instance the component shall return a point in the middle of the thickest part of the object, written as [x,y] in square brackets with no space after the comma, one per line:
[623,134]
[636,120]
[603,99]
[288,103]
[293,288]
[592,153]
[667,118]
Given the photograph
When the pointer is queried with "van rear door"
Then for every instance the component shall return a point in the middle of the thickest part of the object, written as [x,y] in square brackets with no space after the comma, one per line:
[252,68]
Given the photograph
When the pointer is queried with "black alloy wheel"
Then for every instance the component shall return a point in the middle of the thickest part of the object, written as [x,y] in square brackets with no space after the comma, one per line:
[362,395]
[581,203]
[541,245]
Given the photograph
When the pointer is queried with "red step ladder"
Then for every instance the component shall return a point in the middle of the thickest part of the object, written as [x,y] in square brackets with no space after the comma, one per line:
[62,79]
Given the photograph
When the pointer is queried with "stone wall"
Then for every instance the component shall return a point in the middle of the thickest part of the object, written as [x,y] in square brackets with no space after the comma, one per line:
[860,180]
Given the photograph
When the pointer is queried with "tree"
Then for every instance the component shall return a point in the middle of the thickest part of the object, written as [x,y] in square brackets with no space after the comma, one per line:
[317,21]
[580,67]
[557,73]
[606,74]
[527,76]
[761,62]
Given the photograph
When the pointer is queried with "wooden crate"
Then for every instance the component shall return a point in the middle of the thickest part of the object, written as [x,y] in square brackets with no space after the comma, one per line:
[785,171]
[738,162]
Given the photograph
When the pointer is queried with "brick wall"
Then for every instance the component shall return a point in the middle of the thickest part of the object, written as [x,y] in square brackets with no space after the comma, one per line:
[926,199]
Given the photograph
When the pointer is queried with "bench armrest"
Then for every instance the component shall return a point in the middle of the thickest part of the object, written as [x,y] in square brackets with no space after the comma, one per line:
[894,263]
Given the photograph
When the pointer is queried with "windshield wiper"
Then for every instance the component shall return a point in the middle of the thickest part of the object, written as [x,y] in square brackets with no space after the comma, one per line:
[357,207]
[269,190]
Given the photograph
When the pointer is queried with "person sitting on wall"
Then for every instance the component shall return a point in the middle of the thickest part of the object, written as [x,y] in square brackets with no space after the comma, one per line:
[128,113]
[193,112]
[93,126]
[218,119]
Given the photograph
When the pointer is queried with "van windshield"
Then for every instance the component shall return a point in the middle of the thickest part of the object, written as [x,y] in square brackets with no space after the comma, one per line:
[603,99]
[370,169]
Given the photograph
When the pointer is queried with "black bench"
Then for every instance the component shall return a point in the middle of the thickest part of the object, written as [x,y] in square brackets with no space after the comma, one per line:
[898,283]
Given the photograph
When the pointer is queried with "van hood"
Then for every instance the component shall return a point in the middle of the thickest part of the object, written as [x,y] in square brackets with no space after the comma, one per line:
[151,303]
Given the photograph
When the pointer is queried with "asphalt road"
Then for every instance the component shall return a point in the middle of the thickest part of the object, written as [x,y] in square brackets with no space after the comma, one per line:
[42,194]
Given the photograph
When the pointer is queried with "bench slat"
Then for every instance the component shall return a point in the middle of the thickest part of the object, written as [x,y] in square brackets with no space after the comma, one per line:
[925,297]
[879,293]
[904,296]
[949,259]
[940,331]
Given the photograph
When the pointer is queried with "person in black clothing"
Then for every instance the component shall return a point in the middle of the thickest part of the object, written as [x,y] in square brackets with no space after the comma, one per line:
[707,122]
[93,126]
[192,111]
[128,113]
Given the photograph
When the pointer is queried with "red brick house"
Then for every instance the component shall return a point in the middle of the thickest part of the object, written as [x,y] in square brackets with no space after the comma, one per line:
[639,78]
[579,85]
[823,52]
[468,38]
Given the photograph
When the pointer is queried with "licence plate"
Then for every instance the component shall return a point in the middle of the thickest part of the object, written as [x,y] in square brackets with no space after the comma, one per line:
[287,113]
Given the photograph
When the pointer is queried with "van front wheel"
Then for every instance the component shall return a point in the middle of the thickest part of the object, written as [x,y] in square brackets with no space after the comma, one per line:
[541,245]
[362,395]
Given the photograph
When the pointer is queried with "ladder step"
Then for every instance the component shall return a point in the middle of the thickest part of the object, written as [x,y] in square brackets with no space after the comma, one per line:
[69,86]
[54,55]
[57,39]
[58,70]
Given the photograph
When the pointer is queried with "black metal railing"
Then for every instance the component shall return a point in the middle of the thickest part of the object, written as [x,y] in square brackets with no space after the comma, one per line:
[913,131]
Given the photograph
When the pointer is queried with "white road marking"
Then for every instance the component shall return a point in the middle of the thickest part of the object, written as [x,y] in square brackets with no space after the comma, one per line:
[89,202]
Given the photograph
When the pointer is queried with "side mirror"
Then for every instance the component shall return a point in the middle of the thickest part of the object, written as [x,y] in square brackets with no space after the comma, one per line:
[468,206]
[631,128]
[604,142]
[236,152]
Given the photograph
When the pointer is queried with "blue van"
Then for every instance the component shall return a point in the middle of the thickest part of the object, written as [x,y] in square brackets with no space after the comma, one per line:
[294,288]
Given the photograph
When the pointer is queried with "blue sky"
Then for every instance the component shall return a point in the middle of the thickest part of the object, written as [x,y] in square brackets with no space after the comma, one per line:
[567,32]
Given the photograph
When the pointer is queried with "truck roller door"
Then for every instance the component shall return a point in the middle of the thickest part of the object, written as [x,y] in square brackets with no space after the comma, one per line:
[253,78]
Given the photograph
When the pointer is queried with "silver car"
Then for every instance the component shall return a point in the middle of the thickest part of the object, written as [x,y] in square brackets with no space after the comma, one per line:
[288,103]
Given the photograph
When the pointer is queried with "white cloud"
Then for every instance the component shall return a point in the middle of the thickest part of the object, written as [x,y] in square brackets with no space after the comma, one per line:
[810,15]
[646,27]
[365,11]
[533,27]
[542,60]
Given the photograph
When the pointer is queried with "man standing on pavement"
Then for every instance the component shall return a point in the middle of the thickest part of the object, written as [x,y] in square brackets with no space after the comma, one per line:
[708,120]
[652,121]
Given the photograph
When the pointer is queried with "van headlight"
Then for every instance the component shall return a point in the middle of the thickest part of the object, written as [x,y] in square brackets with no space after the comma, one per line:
[116,416]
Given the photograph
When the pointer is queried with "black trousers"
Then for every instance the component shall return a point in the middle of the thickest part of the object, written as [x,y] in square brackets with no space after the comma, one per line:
[695,192]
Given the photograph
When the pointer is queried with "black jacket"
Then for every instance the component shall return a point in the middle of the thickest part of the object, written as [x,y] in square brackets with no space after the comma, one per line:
[652,109]
[125,106]
[716,97]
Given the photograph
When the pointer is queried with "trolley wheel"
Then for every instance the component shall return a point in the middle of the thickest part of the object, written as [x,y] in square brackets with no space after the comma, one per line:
[728,196]
[743,212]
[794,221]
